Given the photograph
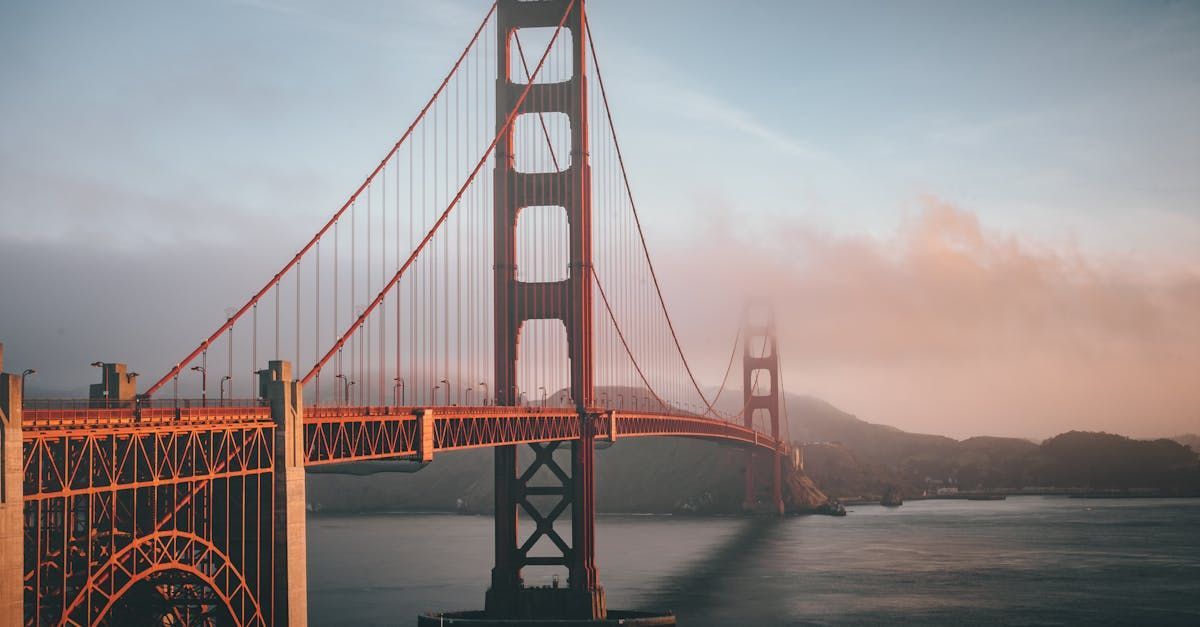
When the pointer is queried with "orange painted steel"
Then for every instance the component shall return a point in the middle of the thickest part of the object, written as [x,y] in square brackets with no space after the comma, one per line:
[346,434]
[115,497]
[169,551]
[120,499]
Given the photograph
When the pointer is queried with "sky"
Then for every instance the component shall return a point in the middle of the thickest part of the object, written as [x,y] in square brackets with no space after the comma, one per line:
[976,218]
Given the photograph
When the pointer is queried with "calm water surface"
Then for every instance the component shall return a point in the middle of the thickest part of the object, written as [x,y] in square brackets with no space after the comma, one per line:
[1027,560]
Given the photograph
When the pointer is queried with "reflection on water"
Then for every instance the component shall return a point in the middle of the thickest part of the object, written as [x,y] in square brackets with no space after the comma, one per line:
[1025,560]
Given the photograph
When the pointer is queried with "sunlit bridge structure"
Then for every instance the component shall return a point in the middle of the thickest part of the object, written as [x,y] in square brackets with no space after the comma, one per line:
[487,285]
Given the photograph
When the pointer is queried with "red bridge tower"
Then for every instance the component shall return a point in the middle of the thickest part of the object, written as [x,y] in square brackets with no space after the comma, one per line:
[766,362]
[569,301]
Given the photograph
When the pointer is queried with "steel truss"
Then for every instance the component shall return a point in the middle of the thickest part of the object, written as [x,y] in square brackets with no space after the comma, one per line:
[178,515]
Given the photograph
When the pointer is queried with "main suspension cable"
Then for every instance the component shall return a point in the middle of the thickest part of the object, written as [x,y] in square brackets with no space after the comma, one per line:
[231,320]
[637,221]
[512,115]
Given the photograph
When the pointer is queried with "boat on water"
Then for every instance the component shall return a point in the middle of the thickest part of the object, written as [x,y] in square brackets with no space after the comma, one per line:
[892,497]
[831,507]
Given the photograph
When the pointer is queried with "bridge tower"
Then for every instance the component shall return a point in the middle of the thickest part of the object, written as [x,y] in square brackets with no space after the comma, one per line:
[760,334]
[569,301]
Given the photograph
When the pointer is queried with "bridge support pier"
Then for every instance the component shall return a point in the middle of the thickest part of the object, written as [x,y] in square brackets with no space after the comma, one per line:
[583,597]
[12,542]
[286,398]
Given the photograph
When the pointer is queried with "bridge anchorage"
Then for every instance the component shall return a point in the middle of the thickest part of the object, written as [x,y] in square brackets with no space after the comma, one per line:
[146,509]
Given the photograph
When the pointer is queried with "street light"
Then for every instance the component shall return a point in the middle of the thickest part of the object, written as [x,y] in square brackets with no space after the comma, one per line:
[129,377]
[467,395]
[543,389]
[398,391]
[345,386]
[485,392]
[447,392]
[223,380]
[26,373]
[203,384]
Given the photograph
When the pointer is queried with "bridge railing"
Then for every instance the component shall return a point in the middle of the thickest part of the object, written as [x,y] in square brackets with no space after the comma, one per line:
[42,414]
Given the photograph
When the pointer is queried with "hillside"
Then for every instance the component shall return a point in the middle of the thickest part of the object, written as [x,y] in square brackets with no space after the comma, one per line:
[851,458]
[814,420]
[1189,439]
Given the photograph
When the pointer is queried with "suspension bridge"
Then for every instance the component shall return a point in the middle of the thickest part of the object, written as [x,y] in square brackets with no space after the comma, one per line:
[488,285]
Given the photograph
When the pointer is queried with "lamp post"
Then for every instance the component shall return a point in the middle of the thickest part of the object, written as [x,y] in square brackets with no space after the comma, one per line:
[25,374]
[398,391]
[485,392]
[223,380]
[203,384]
[129,377]
[103,379]
[433,394]
[447,391]
[467,395]
[345,399]
[543,389]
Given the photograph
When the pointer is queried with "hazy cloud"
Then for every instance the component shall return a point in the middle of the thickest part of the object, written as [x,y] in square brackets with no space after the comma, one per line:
[950,327]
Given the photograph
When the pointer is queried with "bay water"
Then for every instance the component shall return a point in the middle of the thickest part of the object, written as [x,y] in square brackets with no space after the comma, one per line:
[1025,560]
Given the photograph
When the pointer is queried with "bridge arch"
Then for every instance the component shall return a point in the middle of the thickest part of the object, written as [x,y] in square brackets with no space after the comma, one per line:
[166,551]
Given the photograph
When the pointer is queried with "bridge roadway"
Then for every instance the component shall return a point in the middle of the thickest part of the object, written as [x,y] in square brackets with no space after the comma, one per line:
[357,433]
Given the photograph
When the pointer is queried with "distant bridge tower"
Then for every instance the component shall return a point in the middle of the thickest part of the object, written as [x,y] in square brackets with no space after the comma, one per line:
[760,360]
[569,301]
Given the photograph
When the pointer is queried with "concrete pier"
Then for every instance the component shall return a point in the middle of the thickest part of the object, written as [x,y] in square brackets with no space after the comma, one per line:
[286,398]
[12,547]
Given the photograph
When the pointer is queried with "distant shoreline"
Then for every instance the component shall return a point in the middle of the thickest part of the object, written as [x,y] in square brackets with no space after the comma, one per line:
[665,515]
[1074,493]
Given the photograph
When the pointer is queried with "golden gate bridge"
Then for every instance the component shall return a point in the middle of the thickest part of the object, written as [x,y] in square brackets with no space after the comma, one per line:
[487,285]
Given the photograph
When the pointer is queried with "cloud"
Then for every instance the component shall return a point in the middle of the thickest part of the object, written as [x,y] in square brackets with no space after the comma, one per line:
[646,74]
[708,110]
[949,327]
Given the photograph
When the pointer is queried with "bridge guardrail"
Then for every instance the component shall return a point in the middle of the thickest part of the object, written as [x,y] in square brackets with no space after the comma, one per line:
[43,414]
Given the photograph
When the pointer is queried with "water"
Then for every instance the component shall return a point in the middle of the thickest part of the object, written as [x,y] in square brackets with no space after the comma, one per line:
[1027,560]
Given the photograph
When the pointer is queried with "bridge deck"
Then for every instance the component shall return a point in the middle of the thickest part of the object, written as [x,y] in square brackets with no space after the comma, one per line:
[342,434]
